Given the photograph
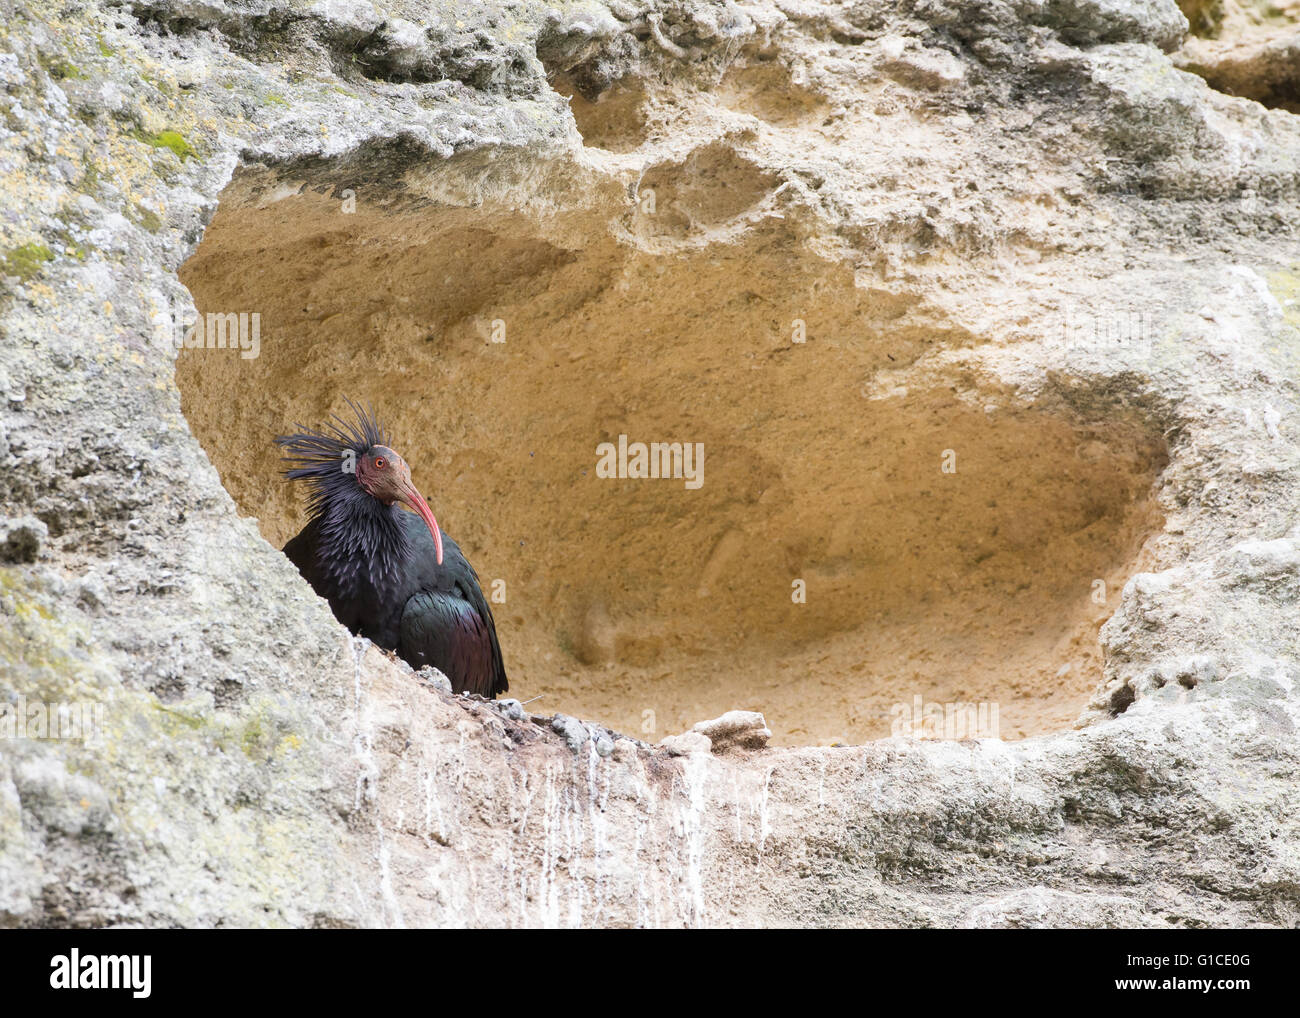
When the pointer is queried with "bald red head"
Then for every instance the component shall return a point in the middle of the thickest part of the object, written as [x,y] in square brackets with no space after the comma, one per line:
[382,473]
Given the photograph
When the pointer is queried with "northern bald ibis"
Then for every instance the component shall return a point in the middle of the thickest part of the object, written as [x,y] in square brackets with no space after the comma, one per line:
[388,575]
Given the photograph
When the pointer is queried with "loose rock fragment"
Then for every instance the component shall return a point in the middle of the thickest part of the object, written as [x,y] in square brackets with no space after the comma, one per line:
[686,744]
[435,678]
[743,729]
[573,731]
[512,709]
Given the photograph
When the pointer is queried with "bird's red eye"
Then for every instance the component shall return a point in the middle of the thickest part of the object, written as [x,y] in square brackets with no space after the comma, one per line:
[379,463]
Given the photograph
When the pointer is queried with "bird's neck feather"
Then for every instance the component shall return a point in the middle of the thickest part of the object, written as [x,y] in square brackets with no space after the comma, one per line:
[363,543]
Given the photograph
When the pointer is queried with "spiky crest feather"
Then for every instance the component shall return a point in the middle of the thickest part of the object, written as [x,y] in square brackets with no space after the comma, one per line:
[365,538]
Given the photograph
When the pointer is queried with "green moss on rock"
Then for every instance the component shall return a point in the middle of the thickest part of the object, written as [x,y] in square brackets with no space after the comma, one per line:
[173,140]
[26,261]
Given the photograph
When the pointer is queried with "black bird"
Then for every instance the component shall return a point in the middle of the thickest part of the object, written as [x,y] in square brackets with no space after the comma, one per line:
[388,575]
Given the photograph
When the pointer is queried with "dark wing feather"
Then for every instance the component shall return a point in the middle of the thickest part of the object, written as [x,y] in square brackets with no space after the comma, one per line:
[445,631]
[447,623]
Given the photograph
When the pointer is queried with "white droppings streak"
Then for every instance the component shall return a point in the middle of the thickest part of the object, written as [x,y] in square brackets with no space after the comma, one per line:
[548,890]
[573,815]
[367,790]
[647,911]
[764,828]
[392,908]
[432,809]
[695,767]
[597,800]
[362,746]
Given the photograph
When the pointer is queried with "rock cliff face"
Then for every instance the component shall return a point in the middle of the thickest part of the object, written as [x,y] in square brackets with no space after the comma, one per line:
[986,315]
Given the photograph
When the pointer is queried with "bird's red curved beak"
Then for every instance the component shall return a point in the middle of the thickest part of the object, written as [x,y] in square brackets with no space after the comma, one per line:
[414,501]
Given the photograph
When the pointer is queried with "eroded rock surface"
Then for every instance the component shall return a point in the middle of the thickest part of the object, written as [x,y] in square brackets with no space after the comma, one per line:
[1014,230]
